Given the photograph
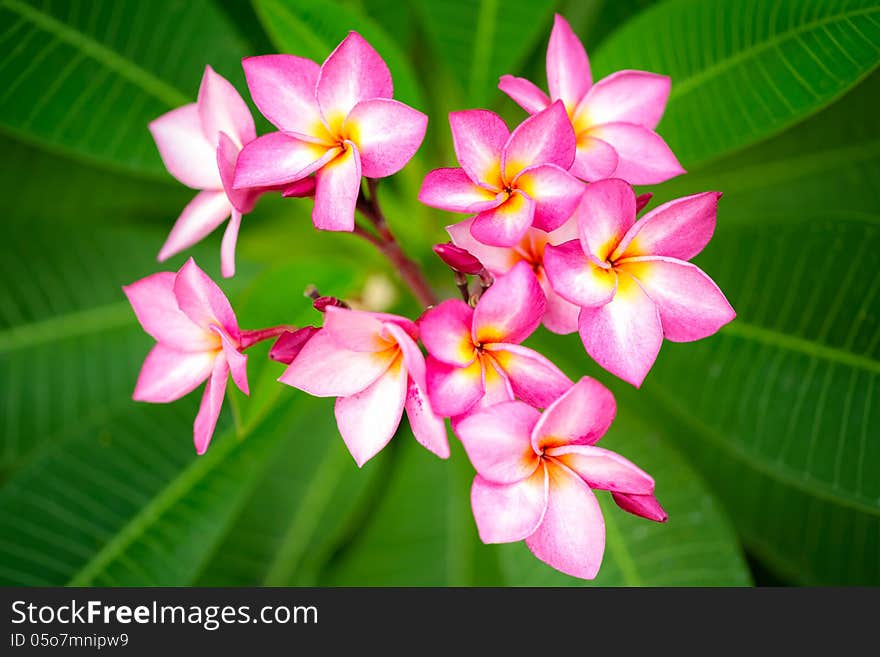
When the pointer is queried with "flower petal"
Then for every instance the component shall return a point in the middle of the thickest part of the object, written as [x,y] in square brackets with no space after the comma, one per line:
[337,185]
[579,417]
[603,469]
[242,200]
[479,137]
[505,224]
[387,134]
[497,441]
[222,109]
[153,301]
[446,332]
[533,378]
[497,259]
[568,68]
[623,336]
[690,304]
[290,343]
[355,329]
[577,278]
[452,190]
[302,188]
[236,361]
[202,301]
[283,88]
[645,506]
[368,419]
[185,151]
[453,390]
[168,374]
[594,160]
[555,191]
[496,385]
[511,309]
[606,212]
[644,158]
[571,537]
[560,316]
[544,138]
[199,218]
[627,96]
[353,72]
[524,93]
[678,229]
[209,410]
[277,158]
[324,368]
[505,513]
[227,246]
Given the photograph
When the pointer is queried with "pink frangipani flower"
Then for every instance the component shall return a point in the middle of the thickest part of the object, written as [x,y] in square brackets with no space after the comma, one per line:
[336,120]
[475,357]
[371,363]
[536,472]
[199,144]
[632,279]
[197,338]
[513,181]
[613,120]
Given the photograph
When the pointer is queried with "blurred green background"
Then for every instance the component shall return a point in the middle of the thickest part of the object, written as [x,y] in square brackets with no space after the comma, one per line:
[764,439]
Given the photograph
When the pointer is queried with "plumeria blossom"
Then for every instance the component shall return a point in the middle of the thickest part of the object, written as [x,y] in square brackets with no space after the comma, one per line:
[536,472]
[337,121]
[632,279]
[197,339]
[475,357]
[199,144]
[614,119]
[512,180]
[371,363]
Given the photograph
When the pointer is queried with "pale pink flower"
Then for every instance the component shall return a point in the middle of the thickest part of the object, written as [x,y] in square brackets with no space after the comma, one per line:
[613,120]
[513,181]
[197,338]
[371,363]
[632,279]
[475,357]
[336,120]
[199,144]
[536,472]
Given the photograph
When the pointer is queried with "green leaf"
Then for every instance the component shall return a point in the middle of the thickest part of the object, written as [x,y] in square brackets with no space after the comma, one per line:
[87,77]
[745,70]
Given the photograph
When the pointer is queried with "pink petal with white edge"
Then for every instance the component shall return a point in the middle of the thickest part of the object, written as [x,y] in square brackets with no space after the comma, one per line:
[524,93]
[368,420]
[277,159]
[453,390]
[199,218]
[560,316]
[576,278]
[645,506]
[497,259]
[603,469]
[691,306]
[595,159]
[544,138]
[644,158]
[555,191]
[153,301]
[497,443]
[222,109]
[227,246]
[606,211]
[452,190]
[236,360]
[354,329]
[511,309]
[579,417]
[185,151]
[568,68]
[623,336]
[506,224]
[479,137]
[533,378]
[353,72]
[505,513]
[283,88]
[678,229]
[202,301]
[338,184]
[168,374]
[446,332]
[209,410]
[571,537]
[324,368]
[628,97]
[387,133]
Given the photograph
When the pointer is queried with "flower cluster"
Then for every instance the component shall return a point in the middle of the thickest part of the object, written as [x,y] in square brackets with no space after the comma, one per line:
[552,238]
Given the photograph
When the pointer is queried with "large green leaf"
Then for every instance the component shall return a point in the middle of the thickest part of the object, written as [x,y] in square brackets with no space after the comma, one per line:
[744,70]
[84,77]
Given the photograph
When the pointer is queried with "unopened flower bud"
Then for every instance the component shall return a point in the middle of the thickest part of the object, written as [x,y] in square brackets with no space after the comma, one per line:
[289,344]
[458,259]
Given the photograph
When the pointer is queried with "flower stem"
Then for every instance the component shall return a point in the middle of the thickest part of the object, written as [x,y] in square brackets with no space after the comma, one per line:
[250,338]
